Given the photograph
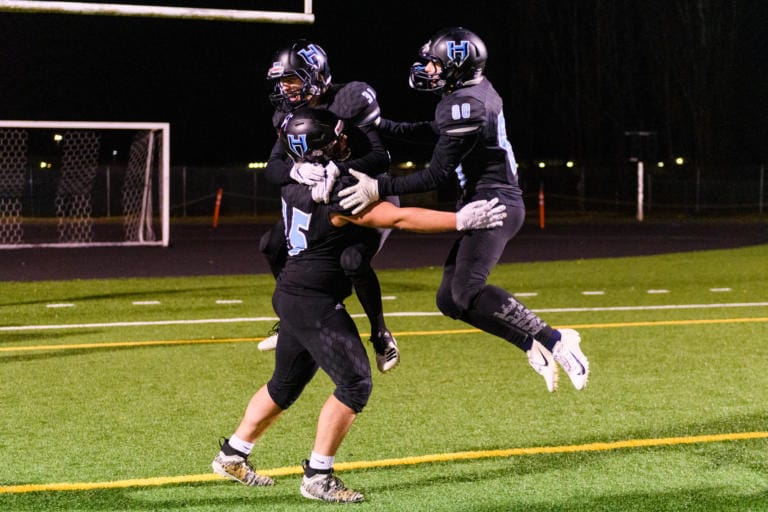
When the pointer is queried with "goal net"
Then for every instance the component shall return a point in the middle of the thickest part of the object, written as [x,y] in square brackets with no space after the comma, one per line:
[82,184]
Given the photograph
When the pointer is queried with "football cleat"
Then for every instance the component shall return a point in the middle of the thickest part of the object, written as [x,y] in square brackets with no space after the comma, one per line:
[328,487]
[237,467]
[387,353]
[270,342]
[542,361]
[569,355]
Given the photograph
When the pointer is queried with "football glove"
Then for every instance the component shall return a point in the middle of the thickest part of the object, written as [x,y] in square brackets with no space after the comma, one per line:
[480,215]
[321,190]
[307,174]
[360,195]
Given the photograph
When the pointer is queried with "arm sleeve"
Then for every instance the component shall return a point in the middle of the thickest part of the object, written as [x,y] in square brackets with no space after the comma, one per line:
[375,161]
[448,154]
[423,132]
[278,171]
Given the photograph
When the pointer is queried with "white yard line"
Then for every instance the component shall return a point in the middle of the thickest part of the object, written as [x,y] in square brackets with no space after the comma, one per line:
[403,314]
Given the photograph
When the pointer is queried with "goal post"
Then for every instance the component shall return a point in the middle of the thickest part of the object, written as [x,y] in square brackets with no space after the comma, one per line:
[84,184]
[160,11]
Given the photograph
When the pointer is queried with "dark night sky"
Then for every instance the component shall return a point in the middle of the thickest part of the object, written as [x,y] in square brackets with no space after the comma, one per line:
[207,78]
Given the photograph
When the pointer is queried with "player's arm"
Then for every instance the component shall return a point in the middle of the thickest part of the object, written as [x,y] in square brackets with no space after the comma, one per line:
[279,165]
[422,132]
[476,215]
[446,157]
[356,102]
[375,161]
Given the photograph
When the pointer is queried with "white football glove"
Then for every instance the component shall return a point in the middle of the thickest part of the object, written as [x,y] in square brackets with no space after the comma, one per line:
[307,174]
[321,190]
[480,215]
[360,195]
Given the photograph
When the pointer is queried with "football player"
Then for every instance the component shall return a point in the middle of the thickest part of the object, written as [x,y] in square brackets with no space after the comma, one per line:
[301,76]
[470,140]
[316,332]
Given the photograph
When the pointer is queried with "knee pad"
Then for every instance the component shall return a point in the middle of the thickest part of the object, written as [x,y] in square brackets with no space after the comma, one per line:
[284,396]
[351,259]
[355,394]
[446,305]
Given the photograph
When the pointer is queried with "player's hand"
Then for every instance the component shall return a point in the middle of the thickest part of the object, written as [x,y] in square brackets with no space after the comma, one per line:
[321,190]
[481,215]
[307,174]
[360,195]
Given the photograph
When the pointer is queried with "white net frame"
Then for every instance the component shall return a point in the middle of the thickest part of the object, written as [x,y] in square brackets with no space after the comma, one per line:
[144,190]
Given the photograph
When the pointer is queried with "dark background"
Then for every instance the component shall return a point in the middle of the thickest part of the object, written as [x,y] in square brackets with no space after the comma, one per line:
[574,75]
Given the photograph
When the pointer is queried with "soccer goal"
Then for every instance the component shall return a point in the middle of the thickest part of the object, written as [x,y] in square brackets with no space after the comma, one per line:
[83,184]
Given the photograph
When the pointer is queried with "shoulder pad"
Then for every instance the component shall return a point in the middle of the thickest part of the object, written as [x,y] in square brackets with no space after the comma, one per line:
[356,102]
[459,115]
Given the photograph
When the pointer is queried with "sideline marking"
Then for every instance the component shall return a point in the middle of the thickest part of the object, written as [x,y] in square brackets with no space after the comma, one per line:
[364,335]
[63,305]
[404,461]
[361,315]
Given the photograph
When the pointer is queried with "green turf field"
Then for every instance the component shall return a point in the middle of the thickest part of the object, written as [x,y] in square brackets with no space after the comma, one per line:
[114,393]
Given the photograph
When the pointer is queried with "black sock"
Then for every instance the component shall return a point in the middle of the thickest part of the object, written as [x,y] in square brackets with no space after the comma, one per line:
[228,450]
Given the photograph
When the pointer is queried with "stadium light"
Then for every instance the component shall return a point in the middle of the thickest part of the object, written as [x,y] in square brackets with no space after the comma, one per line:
[542,165]
[407,165]
[57,137]
[679,160]
[659,164]
[257,165]
[45,165]
[569,164]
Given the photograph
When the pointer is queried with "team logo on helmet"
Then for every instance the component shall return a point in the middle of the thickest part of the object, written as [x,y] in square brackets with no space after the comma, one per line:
[310,55]
[277,70]
[458,51]
[298,143]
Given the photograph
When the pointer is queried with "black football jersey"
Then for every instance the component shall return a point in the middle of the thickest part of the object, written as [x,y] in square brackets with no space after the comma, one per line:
[314,245]
[356,104]
[472,143]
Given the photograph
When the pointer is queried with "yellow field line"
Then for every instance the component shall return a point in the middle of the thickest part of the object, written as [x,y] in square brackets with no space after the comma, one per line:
[81,346]
[422,459]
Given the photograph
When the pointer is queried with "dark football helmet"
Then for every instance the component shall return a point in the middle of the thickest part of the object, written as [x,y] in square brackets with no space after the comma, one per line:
[315,136]
[306,61]
[460,56]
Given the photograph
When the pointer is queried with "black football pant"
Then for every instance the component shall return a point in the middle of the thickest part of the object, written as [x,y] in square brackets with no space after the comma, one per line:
[465,295]
[317,332]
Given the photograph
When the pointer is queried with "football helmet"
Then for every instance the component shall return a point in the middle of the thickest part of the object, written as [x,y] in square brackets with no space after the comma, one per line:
[458,56]
[315,136]
[306,65]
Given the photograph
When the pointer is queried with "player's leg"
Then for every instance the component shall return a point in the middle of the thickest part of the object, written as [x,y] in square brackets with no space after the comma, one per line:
[466,295]
[356,262]
[338,351]
[273,246]
[294,368]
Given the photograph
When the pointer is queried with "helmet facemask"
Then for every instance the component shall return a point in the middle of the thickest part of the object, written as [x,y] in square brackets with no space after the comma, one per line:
[423,80]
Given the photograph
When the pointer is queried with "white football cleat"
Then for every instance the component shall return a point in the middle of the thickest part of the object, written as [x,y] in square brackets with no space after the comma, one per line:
[569,355]
[268,343]
[542,361]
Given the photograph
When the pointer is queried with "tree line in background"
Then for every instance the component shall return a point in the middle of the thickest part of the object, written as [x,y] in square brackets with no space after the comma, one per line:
[679,68]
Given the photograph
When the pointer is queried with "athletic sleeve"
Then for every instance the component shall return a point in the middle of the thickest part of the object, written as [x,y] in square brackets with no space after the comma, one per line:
[279,165]
[375,161]
[448,154]
[422,132]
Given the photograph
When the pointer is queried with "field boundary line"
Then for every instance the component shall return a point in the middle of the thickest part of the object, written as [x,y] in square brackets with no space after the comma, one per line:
[404,461]
[150,343]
